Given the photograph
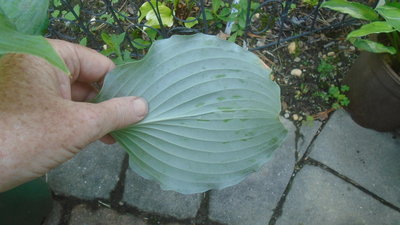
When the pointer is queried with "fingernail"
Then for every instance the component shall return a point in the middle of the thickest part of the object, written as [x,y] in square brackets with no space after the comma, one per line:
[140,107]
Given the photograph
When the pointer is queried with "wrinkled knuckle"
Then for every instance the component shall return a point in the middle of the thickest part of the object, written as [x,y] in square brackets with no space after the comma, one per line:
[118,114]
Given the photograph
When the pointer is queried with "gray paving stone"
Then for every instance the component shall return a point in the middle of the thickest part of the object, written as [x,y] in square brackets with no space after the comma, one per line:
[147,195]
[307,132]
[318,197]
[54,216]
[370,158]
[92,173]
[252,200]
[81,214]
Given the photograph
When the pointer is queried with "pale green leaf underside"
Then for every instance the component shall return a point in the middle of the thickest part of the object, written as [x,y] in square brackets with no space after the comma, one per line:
[213,113]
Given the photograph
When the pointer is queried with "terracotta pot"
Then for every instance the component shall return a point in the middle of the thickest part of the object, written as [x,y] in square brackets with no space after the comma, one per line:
[374,93]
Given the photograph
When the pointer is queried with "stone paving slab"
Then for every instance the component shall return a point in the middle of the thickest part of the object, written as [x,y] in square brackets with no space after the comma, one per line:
[82,215]
[148,196]
[368,157]
[252,201]
[92,173]
[318,197]
[307,133]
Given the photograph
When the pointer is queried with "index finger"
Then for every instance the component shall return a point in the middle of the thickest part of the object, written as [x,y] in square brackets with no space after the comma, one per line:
[85,64]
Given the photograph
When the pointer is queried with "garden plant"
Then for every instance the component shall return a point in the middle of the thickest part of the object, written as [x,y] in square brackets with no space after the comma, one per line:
[213,109]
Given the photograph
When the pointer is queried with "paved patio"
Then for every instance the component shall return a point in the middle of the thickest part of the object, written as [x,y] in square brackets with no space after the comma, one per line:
[336,173]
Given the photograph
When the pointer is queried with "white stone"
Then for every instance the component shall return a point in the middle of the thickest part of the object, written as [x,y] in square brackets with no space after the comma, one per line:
[296,72]
[292,48]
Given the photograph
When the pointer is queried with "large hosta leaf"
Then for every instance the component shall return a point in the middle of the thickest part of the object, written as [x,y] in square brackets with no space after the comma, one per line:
[29,16]
[213,113]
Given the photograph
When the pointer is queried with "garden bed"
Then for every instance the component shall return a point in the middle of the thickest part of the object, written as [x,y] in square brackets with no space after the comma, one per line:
[309,69]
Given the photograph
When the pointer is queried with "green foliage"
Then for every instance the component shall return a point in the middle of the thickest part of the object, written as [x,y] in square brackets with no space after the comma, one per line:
[113,48]
[192,23]
[213,113]
[308,121]
[325,68]
[28,16]
[383,19]
[336,95]
[70,15]
[221,13]
[64,13]
[19,35]
[354,9]
[310,3]
[149,14]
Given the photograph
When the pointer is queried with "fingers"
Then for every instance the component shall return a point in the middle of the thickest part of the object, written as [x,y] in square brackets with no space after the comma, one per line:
[95,121]
[120,112]
[86,65]
[82,92]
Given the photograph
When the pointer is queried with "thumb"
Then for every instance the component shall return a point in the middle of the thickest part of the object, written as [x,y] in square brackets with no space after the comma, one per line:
[121,112]
[117,113]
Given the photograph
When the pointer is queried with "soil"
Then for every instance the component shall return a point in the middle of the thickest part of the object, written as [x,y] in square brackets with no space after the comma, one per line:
[321,58]
[300,98]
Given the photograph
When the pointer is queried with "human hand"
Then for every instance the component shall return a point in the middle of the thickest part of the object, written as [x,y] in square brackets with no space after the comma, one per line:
[43,119]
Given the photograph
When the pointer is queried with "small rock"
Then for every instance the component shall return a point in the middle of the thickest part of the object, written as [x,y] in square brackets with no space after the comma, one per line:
[296,72]
[284,106]
[352,48]
[295,117]
[331,54]
[292,48]
[260,42]
[297,59]
[286,115]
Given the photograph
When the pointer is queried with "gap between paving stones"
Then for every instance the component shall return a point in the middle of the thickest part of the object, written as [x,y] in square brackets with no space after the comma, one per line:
[313,162]
[115,203]
[306,160]
[277,212]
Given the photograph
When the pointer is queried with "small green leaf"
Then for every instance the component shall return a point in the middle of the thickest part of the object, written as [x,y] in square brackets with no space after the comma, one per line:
[57,3]
[165,14]
[191,24]
[145,8]
[70,15]
[29,16]
[83,41]
[140,43]
[55,13]
[371,28]
[354,9]
[233,37]
[391,15]
[12,41]
[372,46]
[113,42]
[216,4]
